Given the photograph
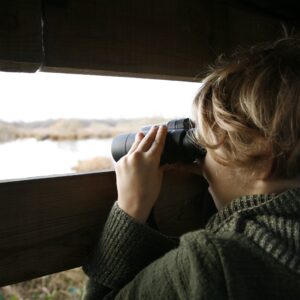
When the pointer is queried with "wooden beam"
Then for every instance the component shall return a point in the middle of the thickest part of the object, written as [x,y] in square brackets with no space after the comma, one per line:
[131,38]
[168,39]
[20,35]
[48,225]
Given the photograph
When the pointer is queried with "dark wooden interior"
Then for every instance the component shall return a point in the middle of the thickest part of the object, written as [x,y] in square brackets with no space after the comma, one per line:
[171,39]
[48,224]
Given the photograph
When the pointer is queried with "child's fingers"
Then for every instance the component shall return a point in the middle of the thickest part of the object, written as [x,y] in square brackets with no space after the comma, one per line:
[159,142]
[147,141]
[138,138]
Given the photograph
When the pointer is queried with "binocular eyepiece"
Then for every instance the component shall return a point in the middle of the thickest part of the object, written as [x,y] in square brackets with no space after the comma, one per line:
[179,144]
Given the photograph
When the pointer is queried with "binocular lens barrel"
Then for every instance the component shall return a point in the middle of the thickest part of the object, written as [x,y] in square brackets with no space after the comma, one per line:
[121,144]
[179,145]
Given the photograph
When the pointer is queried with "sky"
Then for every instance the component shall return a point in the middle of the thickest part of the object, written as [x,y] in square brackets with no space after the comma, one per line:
[42,96]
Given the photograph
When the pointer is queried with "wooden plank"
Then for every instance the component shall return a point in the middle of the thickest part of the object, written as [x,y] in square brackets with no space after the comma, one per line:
[20,35]
[184,204]
[138,38]
[170,39]
[47,225]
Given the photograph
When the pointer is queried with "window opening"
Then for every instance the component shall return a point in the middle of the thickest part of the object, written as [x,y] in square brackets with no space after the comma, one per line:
[53,123]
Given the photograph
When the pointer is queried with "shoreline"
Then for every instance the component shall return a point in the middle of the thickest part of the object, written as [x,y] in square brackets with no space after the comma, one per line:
[72,129]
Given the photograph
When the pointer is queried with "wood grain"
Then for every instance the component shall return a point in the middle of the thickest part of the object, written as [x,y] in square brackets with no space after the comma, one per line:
[184,204]
[167,39]
[20,35]
[48,225]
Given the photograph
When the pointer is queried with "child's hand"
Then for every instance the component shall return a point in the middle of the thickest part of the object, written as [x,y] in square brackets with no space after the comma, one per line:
[139,174]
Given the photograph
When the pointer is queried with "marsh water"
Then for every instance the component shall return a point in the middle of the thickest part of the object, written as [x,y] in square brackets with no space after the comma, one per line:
[30,158]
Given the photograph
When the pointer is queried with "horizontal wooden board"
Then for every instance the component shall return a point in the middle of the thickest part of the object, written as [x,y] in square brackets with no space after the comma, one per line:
[48,225]
[20,35]
[169,39]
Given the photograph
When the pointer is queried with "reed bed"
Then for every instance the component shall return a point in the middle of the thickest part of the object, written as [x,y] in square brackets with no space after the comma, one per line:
[67,285]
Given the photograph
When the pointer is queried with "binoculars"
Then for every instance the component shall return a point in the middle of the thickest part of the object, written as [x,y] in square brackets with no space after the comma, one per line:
[179,144]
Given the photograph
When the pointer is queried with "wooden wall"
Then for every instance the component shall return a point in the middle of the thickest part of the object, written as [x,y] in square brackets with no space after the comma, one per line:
[48,225]
[170,39]
[20,35]
[158,38]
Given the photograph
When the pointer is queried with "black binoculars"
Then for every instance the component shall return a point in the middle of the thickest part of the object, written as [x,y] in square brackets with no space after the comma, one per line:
[179,144]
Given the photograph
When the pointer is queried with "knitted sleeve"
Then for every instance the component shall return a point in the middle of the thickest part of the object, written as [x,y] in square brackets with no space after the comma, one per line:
[125,248]
[191,271]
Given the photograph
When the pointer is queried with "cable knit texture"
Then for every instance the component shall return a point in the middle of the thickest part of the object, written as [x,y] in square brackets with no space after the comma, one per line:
[248,250]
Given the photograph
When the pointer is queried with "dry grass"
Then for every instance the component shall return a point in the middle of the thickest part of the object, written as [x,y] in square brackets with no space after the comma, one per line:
[71,129]
[68,285]
[94,164]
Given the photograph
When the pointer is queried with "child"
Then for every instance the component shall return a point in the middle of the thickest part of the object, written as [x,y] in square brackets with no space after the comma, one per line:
[247,116]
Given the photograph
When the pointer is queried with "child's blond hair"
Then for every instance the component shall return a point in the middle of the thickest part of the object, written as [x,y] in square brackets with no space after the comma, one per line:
[249,105]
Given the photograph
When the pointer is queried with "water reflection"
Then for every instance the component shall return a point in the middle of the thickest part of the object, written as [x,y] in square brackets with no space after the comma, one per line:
[30,158]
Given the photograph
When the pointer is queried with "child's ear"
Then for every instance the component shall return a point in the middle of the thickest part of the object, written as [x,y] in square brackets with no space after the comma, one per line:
[266,170]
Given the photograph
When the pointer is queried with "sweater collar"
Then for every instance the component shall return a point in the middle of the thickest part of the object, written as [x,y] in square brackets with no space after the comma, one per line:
[285,202]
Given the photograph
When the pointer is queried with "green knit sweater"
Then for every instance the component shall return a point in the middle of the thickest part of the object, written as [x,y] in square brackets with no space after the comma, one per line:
[248,250]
